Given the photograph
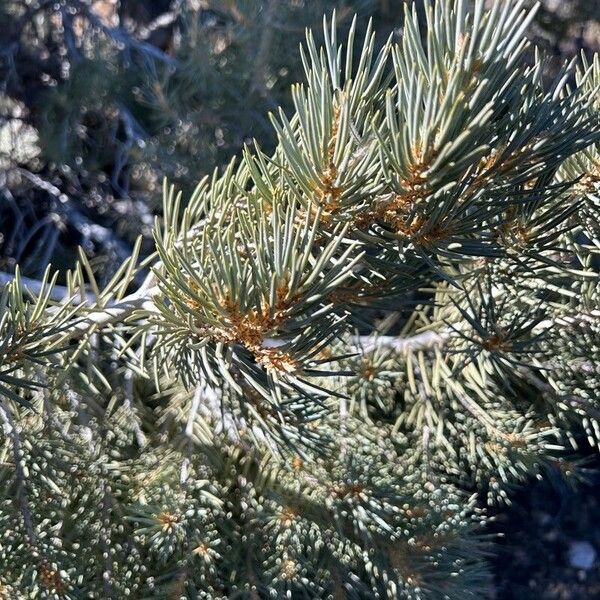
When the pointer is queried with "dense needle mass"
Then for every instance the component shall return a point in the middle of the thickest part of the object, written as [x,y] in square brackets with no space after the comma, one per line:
[334,346]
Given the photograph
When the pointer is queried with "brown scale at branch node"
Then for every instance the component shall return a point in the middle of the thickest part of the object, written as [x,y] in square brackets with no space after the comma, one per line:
[50,578]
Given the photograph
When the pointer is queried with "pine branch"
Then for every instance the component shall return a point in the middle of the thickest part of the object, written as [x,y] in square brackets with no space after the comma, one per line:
[428,184]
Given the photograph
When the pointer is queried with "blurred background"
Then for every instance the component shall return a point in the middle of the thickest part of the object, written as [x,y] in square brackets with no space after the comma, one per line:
[101,99]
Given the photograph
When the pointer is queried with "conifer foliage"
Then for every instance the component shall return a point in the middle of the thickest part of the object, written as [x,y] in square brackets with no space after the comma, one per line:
[333,346]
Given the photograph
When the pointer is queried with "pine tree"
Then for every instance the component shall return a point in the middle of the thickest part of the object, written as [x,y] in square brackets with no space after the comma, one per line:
[334,345]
